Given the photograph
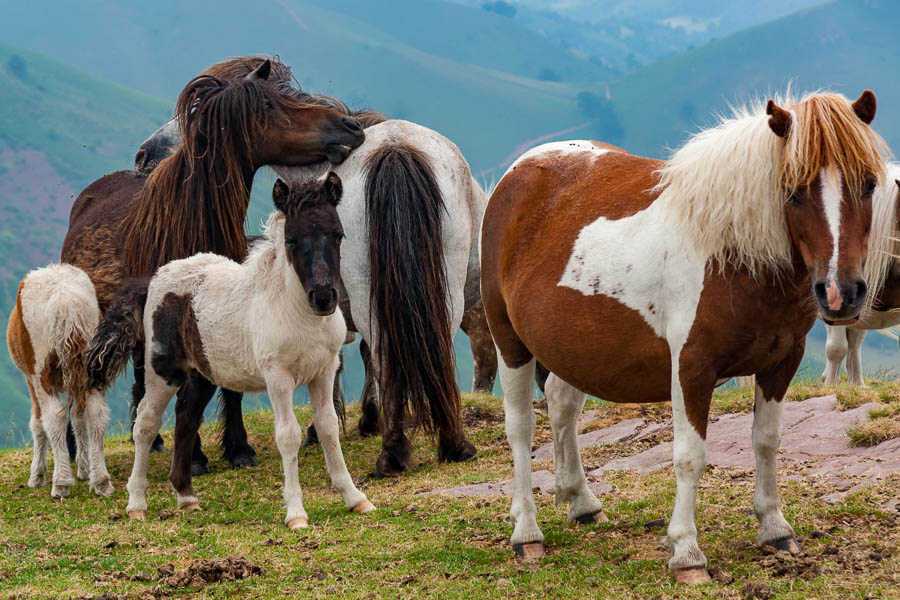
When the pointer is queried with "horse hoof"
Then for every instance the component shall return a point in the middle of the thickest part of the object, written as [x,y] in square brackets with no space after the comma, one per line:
[597,517]
[787,544]
[158,445]
[298,523]
[529,550]
[463,452]
[103,488]
[193,506]
[244,461]
[691,575]
[198,469]
[137,515]
[363,507]
[60,491]
[37,481]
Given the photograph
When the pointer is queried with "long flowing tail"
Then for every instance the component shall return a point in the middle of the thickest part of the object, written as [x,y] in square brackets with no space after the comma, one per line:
[120,332]
[408,289]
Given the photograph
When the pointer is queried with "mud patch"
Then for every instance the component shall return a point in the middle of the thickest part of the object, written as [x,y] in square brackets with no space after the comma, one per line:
[205,571]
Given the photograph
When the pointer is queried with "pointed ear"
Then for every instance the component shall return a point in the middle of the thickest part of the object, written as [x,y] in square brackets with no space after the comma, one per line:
[280,195]
[333,188]
[779,119]
[865,106]
[261,72]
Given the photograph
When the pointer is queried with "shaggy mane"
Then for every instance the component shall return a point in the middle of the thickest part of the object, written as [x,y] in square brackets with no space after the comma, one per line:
[884,237]
[727,185]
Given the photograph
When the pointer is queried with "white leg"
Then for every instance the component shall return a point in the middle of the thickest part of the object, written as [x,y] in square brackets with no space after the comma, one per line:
[688,563]
[835,351]
[774,528]
[146,426]
[96,419]
[280,388]
[565,404]
[82,454]
[326,422]
[55,422]
[518,385]
[39,460]
[855,339]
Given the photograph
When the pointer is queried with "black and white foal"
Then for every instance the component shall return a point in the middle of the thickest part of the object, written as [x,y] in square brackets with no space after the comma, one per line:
[267,324]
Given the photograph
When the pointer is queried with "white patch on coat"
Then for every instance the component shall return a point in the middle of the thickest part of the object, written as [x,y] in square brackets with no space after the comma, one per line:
[832,183]
[563,148]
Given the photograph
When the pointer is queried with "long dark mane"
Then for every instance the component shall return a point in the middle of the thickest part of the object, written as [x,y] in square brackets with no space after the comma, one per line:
[196,199]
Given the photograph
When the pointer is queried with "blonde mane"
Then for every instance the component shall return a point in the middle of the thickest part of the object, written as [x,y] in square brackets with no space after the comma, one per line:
[726,186]
[884,237]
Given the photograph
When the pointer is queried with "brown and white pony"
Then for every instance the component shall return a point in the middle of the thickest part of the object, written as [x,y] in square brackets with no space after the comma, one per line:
[639,280]
[217,322]
[127,225]
[882,308]
[49,329]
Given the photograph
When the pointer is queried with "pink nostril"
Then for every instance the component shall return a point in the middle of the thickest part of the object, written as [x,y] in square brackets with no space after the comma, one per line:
[834,295]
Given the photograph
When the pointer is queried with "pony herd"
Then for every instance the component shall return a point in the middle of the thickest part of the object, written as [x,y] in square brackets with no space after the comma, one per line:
[604,273]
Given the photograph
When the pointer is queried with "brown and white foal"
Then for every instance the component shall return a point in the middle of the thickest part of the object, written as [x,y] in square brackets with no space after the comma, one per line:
[639,280]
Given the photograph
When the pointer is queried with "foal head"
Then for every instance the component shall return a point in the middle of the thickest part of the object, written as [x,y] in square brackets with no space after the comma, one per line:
[312,237]
[830,165]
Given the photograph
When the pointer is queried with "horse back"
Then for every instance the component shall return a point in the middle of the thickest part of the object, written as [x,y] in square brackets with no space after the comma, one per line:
[93,242]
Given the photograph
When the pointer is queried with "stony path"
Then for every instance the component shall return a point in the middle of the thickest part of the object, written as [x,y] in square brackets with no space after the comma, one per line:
[814,442]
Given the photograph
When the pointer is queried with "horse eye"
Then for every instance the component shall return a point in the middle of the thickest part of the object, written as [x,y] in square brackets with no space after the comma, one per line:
[290,243]
[795,200]
[870,188]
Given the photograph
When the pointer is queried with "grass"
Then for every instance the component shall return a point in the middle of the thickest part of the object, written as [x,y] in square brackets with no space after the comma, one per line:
[417,546]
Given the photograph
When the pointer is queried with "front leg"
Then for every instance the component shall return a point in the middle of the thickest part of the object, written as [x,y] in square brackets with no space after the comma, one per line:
[835,351]
[688,563]
[855,339]
[326,422]
[769,403]
[280,387]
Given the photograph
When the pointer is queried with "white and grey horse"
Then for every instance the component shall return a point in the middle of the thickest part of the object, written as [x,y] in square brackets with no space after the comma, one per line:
[207,321]
[883,274]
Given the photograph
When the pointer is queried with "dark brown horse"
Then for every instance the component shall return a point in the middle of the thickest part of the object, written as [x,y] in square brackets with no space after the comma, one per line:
[127,225]
[637,280]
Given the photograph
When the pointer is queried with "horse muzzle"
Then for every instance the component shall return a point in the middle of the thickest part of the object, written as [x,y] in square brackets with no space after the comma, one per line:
[840,303]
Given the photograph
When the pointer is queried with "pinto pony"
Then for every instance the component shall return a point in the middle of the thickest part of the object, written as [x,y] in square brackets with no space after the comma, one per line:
[882,308]
[269,324]
[127,225]
[638,280]
[50,326]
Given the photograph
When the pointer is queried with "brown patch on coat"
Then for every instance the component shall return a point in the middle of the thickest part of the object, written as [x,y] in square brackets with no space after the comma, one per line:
[18,340]
[51,374]
[178,346]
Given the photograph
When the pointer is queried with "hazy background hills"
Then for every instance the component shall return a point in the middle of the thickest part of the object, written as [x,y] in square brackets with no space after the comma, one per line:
[82,84]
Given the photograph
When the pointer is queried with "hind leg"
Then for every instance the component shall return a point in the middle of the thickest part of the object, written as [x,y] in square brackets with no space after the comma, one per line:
[55,422]
[368,420]
[565,404]
[38,476]
[835,351]
[96,418]
[193,397]
[235,447]
[484,354]
[78,427]
[138,390]
[395,447]
[71,443]
[146,428]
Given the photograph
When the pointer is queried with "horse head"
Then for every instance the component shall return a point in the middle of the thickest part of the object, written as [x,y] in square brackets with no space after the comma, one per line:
[831,163]
[312,237]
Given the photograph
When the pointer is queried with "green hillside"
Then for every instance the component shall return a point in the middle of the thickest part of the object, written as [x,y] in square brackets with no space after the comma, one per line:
[459,70]
[845,46]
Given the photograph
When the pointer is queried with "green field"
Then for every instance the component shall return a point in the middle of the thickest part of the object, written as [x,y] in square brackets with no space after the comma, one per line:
[417,546]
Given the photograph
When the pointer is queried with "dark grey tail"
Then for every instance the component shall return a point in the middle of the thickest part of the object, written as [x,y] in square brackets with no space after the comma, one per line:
[120,332]
[408,289]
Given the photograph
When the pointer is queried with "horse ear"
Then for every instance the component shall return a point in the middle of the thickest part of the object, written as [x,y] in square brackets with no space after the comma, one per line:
[280,195]
[779,119]
[261,72]
[333,188]
[865,106]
